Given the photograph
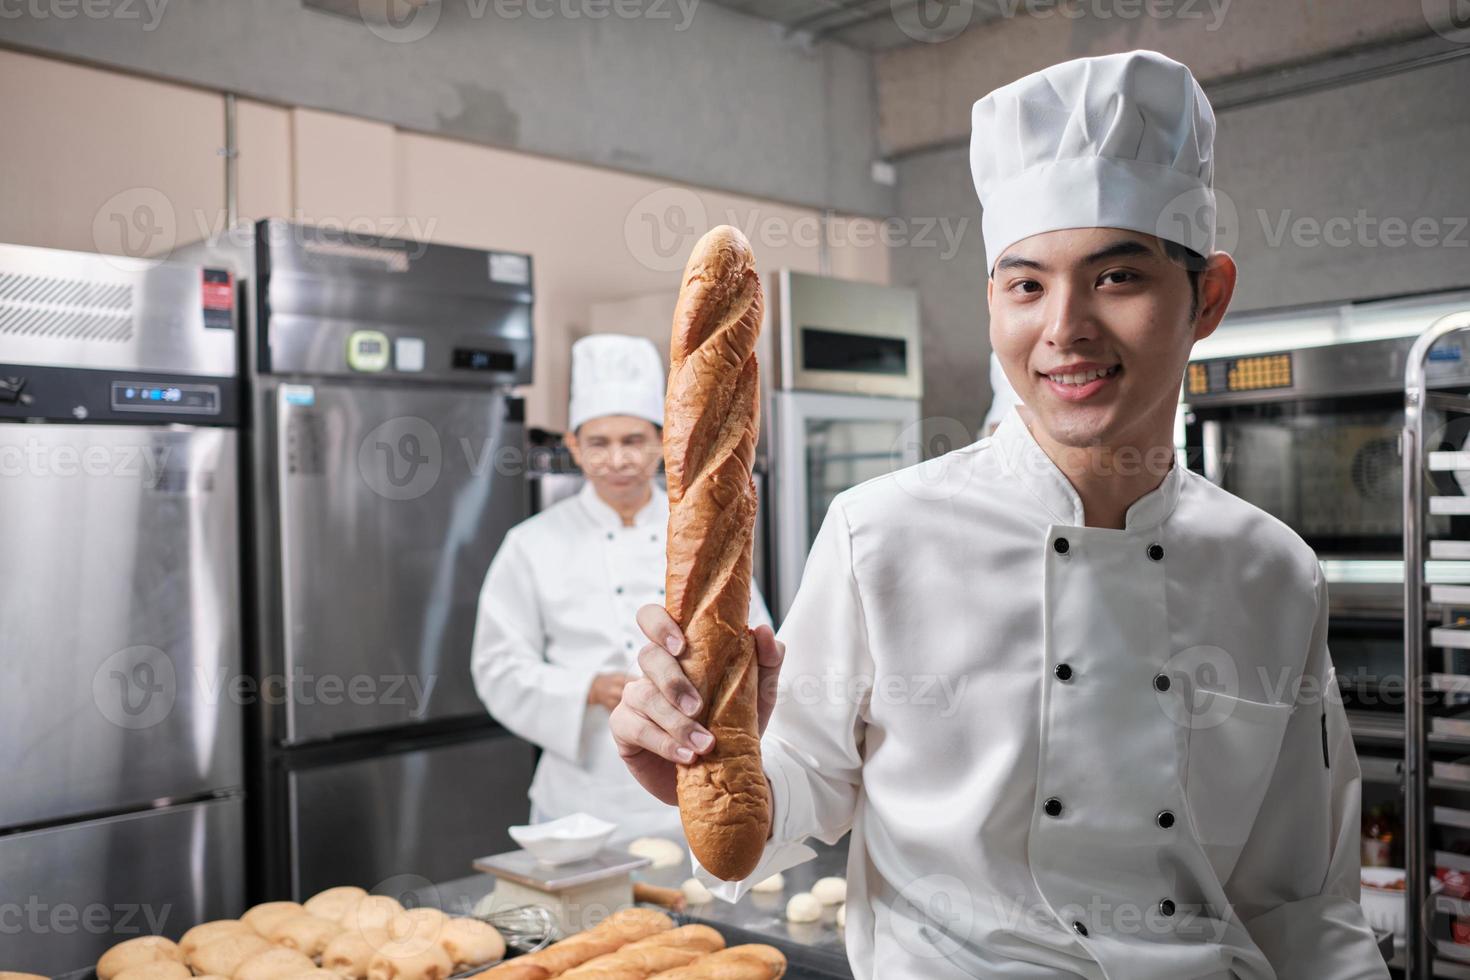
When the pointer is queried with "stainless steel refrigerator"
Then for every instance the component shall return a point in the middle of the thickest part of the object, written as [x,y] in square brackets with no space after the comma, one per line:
[386,463]
[121,812]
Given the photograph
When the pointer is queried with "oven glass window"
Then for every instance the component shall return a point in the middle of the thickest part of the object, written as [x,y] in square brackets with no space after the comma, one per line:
[841,453]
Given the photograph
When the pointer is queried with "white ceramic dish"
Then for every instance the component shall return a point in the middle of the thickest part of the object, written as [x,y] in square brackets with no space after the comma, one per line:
[574,838]
[1384,907]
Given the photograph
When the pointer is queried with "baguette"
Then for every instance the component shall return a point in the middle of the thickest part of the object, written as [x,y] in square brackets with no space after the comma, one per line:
[695,936]
[711,418]
[752,961]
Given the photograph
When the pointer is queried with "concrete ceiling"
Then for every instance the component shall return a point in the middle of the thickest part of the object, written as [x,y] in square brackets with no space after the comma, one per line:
[873,25]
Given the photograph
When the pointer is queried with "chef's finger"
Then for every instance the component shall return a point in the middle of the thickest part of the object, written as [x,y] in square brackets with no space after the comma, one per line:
[661,668]
[634,733]
[656,623]
[770,653]
[651,703]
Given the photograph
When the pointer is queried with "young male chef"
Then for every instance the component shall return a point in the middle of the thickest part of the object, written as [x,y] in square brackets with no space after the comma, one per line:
[555,640]
[1098,732]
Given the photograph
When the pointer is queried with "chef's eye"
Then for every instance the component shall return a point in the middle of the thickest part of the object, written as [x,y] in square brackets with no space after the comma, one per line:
[1022,284]
[1117,276]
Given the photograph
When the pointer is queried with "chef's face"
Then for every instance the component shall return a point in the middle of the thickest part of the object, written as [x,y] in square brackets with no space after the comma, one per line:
[619,455]
[1094,326]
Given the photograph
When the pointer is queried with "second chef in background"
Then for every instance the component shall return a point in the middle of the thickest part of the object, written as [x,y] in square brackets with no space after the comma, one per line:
[556,635]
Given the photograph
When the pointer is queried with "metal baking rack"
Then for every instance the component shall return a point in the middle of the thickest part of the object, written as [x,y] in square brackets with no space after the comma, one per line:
[1436,657]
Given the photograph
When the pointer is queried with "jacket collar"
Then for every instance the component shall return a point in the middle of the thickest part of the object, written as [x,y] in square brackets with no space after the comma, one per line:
[1029,463]
[655,512]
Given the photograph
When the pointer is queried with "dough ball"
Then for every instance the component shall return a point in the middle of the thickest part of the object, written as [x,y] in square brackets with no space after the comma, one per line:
[830,891]
[137,952]
[207,932]
[224,956]
[351,951]
[774,883]
[663,852]
[373,912]
[161,970]
[695,893]
[335,903]
[274,963]
[803,907]
[304,932]
[317,974]
[394,963]
[470,942]
[263,917]
[842,916]
[414,930]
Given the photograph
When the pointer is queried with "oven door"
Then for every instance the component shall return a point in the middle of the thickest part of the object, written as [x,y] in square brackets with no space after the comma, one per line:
[1329,468]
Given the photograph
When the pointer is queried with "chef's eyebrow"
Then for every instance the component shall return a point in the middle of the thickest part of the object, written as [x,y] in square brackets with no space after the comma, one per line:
[1127,248]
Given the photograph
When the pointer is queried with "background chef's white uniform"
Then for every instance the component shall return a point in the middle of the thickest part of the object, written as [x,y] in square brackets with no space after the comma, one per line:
[1068,751]
[559,606]
[950,596]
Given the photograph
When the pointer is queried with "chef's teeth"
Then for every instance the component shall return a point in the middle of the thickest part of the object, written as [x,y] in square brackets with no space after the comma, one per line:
[1084,378]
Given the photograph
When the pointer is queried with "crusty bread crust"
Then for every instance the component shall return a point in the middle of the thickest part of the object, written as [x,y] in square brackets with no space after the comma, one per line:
[711,418]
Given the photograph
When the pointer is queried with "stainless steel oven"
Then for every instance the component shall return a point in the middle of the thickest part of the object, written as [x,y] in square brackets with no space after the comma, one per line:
[1312,437]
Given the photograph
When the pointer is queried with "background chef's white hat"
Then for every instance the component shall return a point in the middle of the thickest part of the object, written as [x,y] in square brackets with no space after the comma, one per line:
[613,374]
[1120,141]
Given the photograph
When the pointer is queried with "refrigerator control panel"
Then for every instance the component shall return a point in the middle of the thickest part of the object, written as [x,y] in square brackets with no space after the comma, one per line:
[185,399]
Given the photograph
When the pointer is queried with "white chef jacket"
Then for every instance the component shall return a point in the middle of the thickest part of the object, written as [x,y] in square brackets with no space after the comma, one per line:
[999,805]
[559,606]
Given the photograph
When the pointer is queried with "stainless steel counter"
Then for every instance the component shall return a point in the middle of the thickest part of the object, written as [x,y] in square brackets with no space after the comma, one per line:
[815,951]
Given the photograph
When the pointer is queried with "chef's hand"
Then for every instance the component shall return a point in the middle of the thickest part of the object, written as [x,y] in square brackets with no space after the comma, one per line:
[654,726]
[607,690]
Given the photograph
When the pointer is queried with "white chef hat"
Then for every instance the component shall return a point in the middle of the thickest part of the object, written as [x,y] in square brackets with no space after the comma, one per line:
[613,374]
[1119,141]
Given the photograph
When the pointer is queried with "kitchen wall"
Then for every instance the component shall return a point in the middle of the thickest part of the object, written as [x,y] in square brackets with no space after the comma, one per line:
[682,90]
[104,161]
[1320,192]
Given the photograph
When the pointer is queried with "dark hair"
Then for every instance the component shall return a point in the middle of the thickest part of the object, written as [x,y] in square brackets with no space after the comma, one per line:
[1193,263]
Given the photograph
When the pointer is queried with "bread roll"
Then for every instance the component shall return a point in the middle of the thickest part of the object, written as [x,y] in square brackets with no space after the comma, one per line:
[21,976]
[208,932]
[670,898]
[393,962]
[373,912]
[274,963]
[631,925]
[471,943]
[711,417]
[263,917]
[351,952]
[137,952]
[304,932]
[701,938]
[753,961]
[159,970]
[575,950]
[514,970]
[335,903]
[637,964]
[224,956]
[317,974]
